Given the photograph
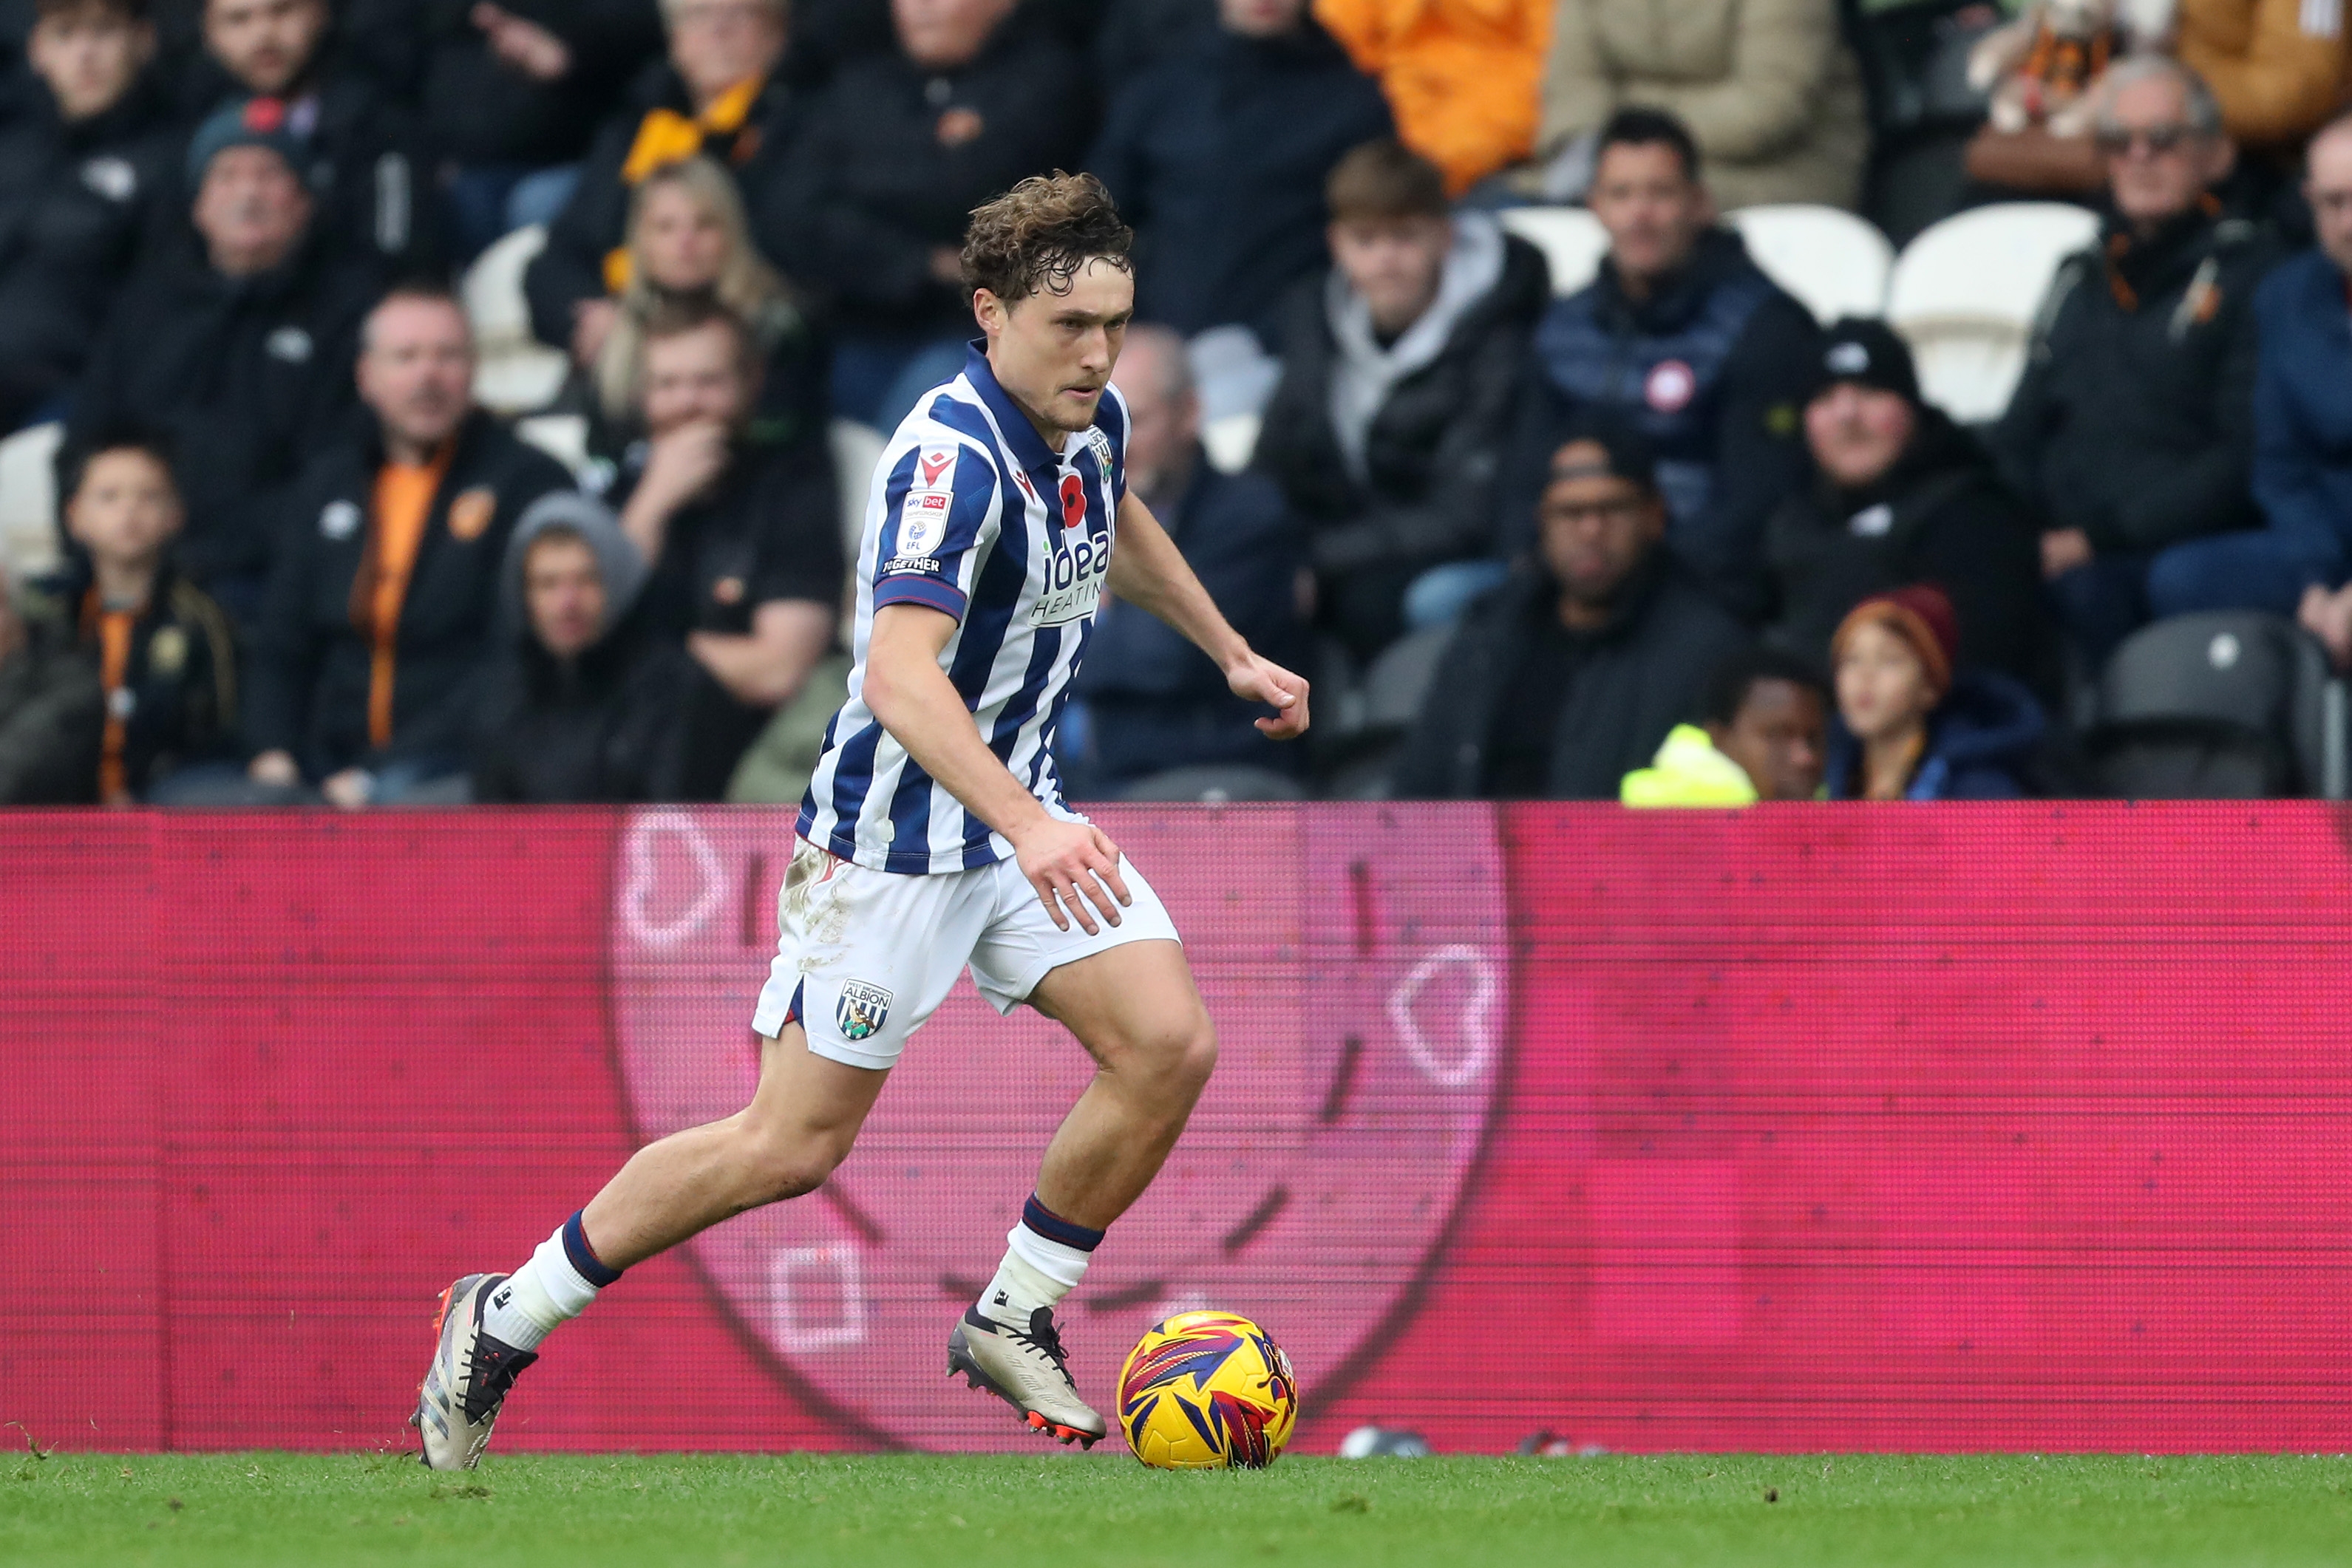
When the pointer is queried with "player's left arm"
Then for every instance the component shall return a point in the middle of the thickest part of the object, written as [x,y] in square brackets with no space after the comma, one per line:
[1148,571]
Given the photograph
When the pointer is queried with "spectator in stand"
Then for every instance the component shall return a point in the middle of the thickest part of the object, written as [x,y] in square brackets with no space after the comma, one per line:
[719,94]
[1149,700]
[2299,564]
[1683,336]
[362,154]
[1901,494]
[233,342]
[1763,737]
[2276,67]
[2133,429]
[1218,157]
[1571,676]
[978,95]
[385,591]
[742,537]
[1399,369]
[165,654]
[514,93]
[1138,35]
[690,241]
[79,165]
[1911,726]
[1461,74]
[52,708]
[1767,88]
[586,707]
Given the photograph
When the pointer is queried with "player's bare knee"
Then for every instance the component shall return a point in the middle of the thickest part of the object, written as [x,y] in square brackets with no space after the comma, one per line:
[787,1161]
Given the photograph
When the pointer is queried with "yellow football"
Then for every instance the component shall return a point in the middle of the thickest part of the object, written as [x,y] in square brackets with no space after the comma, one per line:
[1207,1391]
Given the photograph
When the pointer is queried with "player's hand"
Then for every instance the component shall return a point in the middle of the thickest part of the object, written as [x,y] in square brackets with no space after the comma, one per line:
[1260,680]
[1071,864]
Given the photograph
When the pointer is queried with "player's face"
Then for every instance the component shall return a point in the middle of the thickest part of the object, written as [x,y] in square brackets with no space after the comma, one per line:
[1778,737]
[1054,352]
[1882,687]
[125,507]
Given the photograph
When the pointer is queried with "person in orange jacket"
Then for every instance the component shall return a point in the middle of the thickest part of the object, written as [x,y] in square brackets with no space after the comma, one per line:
[1462,75]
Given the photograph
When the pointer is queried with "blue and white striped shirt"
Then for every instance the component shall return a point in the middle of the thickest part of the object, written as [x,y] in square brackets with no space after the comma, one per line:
[974,515]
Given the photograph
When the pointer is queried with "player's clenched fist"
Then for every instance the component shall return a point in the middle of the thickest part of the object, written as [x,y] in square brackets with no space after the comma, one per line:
[1071,864]
[1258,680]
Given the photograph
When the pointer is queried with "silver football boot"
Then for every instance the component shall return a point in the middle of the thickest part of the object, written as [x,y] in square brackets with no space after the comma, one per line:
[459,1402]
[1027,1369]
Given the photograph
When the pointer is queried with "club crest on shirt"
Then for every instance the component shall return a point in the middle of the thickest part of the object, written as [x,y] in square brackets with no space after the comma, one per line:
[862,1011]
[339,520]
[471,513]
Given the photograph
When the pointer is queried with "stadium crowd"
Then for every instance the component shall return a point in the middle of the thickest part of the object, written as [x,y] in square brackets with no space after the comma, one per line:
[1667,538]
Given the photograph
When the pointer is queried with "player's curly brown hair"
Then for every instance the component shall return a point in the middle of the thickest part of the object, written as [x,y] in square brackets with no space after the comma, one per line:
[1039,234]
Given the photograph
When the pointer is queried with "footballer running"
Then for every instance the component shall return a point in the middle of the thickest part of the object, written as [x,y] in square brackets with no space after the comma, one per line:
[934,836]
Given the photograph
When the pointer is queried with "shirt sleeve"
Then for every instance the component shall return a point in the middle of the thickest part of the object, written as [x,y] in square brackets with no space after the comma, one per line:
[940,504]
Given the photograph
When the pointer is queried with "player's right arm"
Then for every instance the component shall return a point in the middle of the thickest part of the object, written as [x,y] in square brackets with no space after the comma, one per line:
[911,693]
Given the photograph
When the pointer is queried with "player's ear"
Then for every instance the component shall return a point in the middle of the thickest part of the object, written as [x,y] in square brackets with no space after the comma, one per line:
[988,310]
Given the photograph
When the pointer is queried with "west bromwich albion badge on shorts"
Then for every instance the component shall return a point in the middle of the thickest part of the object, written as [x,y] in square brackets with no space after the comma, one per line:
[862,1011]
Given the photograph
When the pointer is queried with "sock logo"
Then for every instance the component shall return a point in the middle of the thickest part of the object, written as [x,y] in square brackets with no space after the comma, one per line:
[1000,1300]
[505,1295]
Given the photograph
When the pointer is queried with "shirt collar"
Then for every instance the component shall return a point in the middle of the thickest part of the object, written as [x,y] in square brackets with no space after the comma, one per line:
[1020,435]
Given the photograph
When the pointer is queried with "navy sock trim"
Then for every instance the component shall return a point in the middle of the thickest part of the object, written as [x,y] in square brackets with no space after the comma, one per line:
[584,1257]
[1054,1228]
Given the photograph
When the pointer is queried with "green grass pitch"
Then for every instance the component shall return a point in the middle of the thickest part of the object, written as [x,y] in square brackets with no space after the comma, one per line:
[708,1511]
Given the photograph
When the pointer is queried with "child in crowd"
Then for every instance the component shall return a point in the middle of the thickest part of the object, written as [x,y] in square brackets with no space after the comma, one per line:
[165,656]
[1909,727]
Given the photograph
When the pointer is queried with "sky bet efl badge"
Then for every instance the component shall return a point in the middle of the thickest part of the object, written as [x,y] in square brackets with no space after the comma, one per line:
[862,1011]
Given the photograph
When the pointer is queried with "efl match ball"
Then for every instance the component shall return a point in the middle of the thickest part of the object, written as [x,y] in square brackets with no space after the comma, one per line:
[1207,1391]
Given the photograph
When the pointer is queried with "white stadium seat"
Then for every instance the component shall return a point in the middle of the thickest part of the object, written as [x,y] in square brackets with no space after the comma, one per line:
[1965,294]
[518,373]
[1231,441]
[1834,263]
[29,500]
[1571,239]
[856,448]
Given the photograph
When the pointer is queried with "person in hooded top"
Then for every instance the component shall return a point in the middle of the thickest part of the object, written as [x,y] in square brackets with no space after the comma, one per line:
[1399,367]
[1910,726]
[585,707]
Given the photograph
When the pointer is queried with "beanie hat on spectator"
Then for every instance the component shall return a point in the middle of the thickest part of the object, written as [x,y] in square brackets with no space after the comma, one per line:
[1923,617]
[1867,353]
[247,123]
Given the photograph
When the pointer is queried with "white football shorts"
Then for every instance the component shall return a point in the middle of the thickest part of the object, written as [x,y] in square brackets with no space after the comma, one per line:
[863,956]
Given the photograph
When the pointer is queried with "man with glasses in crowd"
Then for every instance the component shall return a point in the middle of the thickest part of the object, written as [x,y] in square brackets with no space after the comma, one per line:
[2133,428]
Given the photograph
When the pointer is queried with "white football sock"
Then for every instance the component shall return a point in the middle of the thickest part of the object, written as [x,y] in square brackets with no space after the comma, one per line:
[1036,1273]
[540,1296]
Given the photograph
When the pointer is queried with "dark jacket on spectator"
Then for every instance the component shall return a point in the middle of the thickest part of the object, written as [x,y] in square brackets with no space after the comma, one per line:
[879,179]
[1940,515]
[595,222]
[1713,367]
[768,530]
[369,171]
[2303,410]
[1980,745]
[483,111]
[178,696]
[1156,701]
[75,201]
[1218,158]
[247,378]
[2135,420]
[314,664]
[52,713]
[1612,694]
[608,726]
[1421,490]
